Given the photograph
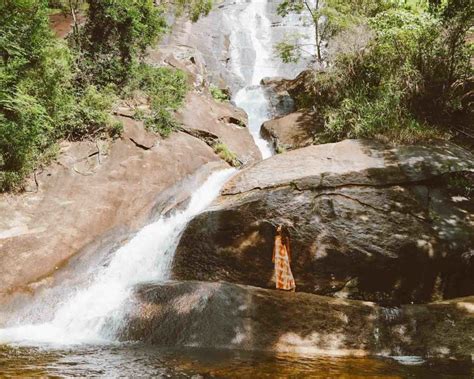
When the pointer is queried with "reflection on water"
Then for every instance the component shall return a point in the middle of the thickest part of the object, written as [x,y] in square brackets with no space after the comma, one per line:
[138,360]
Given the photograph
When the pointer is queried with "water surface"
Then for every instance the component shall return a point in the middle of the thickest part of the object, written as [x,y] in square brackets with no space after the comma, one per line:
[133,360]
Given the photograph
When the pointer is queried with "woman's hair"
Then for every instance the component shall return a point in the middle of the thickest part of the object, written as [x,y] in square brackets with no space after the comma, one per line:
[284,230]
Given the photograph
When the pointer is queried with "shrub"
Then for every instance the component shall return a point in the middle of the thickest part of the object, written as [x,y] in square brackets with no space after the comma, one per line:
[39,103]
[194,8]
[90,117]
[400,87]
[166,89]
[219,94]
[224,153]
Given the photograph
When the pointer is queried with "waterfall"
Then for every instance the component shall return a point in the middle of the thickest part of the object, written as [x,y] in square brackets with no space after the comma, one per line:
[93,314]
[254,30]
[252,58]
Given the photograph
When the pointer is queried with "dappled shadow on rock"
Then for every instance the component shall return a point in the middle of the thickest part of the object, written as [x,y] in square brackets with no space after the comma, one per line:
[225,315]
[385,228]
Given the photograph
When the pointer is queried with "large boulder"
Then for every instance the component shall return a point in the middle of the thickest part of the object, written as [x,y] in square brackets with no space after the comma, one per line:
[289,132]
[93,194]
[392,225]
[224,315]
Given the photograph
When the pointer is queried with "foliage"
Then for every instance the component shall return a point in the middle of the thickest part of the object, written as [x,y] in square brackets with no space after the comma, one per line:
[461,183]
[114,38]
[194,8]
[404,86]
[90,116]
[50,90]
[219,94]
[224,153]
[166,89]
[38,102]
[327,18]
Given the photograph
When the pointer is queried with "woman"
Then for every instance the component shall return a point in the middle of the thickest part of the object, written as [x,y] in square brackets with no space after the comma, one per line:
[281,257]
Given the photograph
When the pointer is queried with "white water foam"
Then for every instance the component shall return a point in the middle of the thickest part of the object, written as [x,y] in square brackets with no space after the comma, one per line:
[254,28]
[93,314]
[252,99]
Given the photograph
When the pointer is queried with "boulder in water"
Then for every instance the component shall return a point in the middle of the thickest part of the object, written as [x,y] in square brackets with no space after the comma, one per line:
[225,315]
[289,132]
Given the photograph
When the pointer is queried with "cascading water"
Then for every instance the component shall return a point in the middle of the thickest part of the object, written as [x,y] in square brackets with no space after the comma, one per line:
[255,27]
[253,58]
[93,314]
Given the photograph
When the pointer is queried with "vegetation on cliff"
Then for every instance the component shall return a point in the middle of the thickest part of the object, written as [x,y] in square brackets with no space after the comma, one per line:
[52,89]
[412,80]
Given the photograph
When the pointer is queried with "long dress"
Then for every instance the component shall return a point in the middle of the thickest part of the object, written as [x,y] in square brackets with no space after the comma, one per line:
[283,276]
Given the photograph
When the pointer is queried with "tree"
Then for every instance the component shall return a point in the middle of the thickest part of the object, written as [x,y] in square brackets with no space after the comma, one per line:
[35,73]
[325,21]
[327,18]
[408,84]
[116,34]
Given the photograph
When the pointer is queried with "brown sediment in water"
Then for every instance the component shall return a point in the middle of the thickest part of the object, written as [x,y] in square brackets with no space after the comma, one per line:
[132,360]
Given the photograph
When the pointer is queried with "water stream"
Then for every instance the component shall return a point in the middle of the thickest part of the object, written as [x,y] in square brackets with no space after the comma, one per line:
[94,313]
[253,58]
[255,29]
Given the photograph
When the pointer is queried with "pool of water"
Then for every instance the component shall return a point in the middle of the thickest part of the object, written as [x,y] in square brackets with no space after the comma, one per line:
[133,360]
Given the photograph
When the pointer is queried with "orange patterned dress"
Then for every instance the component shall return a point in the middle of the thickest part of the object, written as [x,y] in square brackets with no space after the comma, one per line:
[281,257]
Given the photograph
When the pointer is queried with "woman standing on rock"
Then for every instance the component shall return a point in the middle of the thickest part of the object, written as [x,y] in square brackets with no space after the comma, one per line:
[281,257]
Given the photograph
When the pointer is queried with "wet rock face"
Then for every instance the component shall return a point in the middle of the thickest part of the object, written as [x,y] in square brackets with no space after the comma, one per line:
[222,122]
[365,222]
[225,315]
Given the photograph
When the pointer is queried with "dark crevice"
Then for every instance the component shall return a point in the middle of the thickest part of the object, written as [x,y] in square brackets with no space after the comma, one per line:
[139,145]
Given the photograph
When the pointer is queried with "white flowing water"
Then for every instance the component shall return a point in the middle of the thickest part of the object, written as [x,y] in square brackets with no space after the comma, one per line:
[253,58]
[255,29]
[94,313]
